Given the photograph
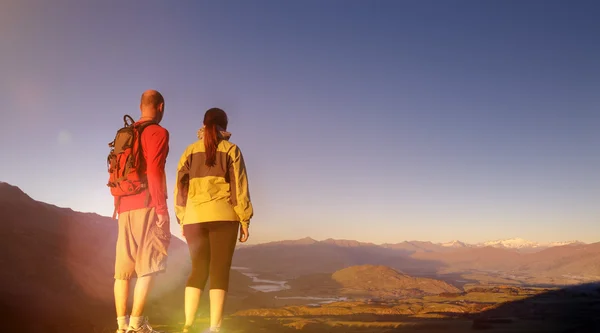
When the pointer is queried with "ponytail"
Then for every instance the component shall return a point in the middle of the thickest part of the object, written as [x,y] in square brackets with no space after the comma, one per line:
[210,143]
[212,118]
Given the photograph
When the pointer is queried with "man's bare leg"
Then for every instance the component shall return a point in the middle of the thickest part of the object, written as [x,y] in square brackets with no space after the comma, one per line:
[121,293]
[140,294]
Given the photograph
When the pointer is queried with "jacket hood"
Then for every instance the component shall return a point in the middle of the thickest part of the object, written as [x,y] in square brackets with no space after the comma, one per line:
[221,133]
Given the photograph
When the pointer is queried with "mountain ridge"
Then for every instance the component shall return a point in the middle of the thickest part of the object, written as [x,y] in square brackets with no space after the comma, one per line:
[516,243]
[12,192]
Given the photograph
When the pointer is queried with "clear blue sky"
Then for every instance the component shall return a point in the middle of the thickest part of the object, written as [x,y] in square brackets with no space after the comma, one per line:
[379,121]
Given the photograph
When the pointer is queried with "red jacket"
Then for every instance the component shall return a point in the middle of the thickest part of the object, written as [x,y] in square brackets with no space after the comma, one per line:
[155,148]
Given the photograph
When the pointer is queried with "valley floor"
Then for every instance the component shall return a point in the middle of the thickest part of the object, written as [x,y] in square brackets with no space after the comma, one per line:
[491,309]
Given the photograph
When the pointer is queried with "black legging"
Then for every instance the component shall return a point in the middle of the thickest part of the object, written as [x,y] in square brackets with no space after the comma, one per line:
[211,246]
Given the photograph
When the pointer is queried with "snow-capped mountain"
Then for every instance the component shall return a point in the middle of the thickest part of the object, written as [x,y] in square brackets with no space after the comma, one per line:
[565,243]
[511,243]
[454,243]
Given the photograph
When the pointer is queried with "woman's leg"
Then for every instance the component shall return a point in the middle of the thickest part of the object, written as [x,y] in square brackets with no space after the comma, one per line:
[223,237]
[192,299]
[198,244]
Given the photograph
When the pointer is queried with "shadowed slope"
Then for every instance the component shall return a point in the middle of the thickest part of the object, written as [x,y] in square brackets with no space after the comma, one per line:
[568,310]
[58,264]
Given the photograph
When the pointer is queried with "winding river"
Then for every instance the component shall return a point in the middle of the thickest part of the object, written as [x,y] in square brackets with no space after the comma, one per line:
[263,285]
[268,286]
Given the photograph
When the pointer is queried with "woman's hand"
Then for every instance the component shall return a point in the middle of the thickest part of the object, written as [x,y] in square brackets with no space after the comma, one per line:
[244,234]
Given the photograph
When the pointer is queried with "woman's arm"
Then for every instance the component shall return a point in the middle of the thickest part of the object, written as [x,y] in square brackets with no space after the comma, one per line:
[240,193]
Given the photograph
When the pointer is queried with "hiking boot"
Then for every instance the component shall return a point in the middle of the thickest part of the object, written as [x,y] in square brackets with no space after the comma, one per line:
[144,328]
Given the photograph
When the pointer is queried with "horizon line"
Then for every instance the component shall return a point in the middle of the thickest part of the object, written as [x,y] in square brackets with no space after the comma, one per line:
[317,240]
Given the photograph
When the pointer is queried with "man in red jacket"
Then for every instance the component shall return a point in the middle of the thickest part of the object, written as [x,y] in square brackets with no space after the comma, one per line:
[144,227]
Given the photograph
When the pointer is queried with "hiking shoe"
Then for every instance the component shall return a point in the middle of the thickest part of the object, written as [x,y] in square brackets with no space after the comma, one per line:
[208,330]
[145,328]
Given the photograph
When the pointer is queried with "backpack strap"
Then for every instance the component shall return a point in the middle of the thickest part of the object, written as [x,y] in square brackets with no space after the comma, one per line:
[140,129]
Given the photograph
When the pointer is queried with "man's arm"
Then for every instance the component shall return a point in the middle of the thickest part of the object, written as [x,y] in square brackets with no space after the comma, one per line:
[156,146]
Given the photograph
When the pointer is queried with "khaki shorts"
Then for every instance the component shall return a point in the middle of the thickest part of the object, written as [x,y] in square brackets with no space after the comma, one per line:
[141,244]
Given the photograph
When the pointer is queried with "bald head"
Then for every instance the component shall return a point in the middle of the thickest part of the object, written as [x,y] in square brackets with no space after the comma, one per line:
[152,99]
[152,105]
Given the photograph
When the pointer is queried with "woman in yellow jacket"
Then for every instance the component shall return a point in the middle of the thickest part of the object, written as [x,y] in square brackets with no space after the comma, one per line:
[212,202]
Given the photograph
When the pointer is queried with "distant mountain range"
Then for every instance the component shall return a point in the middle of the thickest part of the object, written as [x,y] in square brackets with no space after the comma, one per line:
[426,246]
[510,261]
[511,243]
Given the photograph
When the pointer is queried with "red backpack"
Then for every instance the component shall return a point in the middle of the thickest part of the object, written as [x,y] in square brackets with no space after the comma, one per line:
[126,161]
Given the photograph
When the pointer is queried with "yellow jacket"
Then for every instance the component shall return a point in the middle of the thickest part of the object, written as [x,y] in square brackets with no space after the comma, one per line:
[218,193]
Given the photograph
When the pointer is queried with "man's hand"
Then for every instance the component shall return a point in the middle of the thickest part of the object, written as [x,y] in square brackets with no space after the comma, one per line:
[244,234]
[162,219]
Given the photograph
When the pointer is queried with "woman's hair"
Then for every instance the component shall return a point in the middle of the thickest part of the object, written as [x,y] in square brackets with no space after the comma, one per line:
[212,118]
